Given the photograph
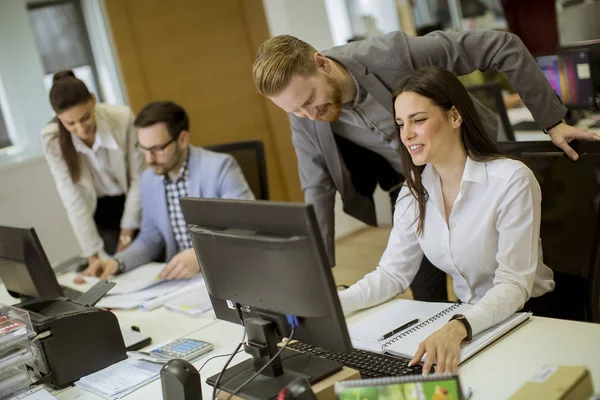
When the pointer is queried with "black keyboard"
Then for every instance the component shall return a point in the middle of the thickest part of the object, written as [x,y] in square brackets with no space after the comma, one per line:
[369,364]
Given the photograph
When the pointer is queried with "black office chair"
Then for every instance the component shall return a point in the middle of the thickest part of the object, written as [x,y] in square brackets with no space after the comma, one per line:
[490,94]
[570,226]
[250,155]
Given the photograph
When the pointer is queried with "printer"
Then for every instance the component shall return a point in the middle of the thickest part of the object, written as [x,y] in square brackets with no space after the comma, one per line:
[72,340]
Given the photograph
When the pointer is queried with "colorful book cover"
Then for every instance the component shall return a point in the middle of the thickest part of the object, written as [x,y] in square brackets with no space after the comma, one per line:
[443,389]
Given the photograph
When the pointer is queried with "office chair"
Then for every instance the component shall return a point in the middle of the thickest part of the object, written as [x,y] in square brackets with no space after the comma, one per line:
[490,94]
[570,223]
[250,155]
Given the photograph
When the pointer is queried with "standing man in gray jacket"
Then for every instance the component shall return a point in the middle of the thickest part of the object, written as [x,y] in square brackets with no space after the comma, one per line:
[341,109]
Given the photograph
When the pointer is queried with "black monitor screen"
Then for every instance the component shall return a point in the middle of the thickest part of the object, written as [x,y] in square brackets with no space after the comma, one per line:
[24,267]
[570,75]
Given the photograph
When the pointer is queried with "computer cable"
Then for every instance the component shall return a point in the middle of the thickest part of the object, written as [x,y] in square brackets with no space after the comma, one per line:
[220,355]
[235,352]
[251,369]
[257,373]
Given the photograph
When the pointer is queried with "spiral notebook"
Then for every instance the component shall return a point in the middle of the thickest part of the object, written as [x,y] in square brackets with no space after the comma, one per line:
[413,387]
[432,316]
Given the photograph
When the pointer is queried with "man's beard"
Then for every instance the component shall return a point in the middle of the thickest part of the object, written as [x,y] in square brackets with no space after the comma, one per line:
[165,169]
[334,107]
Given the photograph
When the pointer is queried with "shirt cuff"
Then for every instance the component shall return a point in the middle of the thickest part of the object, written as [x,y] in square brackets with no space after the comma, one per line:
[478,318]
[351,300]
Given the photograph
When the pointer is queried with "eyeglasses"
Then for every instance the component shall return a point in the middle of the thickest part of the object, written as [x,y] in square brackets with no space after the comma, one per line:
[154,150]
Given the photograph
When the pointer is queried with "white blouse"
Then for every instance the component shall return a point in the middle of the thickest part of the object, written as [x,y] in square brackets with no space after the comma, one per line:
[105,183]
[490,246]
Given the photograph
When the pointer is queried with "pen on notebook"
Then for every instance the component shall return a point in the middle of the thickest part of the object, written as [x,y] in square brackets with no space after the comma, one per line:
[400,329]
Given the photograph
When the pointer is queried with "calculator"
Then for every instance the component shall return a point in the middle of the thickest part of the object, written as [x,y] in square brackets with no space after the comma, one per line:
[183,348]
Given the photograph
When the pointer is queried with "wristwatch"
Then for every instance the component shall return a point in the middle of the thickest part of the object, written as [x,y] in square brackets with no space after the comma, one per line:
[546,130]
[125,239]
[462,319]
[120,265]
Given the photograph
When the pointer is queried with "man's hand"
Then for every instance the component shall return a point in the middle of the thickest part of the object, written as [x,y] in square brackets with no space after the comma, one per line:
[101,268]
[125,239]
[563,134]
[442,348]
[183,266]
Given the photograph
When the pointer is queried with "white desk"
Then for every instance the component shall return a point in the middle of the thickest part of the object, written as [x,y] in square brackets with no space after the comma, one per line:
[495,373]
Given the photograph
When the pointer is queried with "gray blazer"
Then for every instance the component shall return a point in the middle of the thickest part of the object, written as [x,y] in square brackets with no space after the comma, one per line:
[378,65]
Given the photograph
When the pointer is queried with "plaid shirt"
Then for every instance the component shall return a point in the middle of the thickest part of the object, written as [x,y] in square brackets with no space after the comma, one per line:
[176,189]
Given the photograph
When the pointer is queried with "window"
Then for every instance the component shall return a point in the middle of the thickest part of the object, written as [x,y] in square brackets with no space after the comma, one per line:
[62,40]
[4,139]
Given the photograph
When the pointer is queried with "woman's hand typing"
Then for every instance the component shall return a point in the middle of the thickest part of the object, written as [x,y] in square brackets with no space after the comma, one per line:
[442,348]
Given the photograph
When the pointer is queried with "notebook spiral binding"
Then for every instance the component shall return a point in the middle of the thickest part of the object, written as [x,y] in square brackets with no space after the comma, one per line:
[428,321]
[393,380]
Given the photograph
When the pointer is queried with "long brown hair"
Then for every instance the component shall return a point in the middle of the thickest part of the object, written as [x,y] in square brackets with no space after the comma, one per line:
[446,91]
[67,91]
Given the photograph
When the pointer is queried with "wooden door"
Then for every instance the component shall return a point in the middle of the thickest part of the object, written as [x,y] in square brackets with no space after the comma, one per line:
[199,54]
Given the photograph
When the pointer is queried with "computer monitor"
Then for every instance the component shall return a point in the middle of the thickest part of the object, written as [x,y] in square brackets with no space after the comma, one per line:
[593,47]
[266,260]
[24,267]
[570,75]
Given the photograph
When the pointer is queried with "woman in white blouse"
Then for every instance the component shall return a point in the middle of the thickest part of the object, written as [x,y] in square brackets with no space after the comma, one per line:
[90,148]
[473,212]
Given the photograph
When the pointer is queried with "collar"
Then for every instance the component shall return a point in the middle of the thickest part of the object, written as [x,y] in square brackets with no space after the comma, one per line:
[360,93]
[475,171]
[103,138]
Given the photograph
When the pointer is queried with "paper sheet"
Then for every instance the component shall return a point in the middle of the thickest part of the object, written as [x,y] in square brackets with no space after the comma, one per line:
[120,379]
[137,299]
[137,279]
[38,393]
[192,302]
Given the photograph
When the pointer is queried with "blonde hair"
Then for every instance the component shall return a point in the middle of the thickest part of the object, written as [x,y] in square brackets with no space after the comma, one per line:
[280,58]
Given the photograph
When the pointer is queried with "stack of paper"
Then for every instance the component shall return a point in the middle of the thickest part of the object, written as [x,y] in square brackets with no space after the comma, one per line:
[143,288]
[120,379]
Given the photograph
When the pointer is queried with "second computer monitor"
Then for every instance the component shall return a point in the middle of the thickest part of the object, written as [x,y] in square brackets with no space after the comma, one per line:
[570,75]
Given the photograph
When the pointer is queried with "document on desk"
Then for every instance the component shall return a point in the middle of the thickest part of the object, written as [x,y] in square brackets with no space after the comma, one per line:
[192,301]
[120,379]
[151,297]
[367,333]
[140,278]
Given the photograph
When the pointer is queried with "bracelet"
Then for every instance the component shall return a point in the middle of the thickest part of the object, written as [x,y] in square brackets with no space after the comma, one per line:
[125,239]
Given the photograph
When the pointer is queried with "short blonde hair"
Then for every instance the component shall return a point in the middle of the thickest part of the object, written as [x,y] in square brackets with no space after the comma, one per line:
[280,58]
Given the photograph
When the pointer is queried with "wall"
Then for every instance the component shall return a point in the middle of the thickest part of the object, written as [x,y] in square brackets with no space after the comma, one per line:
[28,196]
[29,199]
[22,94]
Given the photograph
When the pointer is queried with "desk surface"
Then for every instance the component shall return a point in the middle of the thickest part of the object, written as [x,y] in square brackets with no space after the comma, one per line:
[495,373]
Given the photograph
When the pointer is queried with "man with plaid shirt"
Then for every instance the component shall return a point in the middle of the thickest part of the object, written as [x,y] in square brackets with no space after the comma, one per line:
[176,170]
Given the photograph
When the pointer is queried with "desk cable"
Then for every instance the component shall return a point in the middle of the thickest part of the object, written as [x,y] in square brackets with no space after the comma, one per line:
[257,373]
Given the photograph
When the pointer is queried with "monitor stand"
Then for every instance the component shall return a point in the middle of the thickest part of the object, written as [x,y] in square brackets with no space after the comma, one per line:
[290,365]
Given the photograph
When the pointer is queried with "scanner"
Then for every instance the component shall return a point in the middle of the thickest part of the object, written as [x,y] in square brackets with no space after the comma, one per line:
[73,338]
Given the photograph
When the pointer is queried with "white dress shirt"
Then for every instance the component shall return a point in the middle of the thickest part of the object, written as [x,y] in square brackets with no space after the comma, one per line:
[105,182]
[490,246]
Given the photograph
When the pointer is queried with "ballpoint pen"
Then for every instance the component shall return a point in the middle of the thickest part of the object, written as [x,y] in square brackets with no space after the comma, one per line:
[400,329]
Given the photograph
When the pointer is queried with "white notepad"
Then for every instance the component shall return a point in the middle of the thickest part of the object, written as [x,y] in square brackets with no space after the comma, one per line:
[432,316]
